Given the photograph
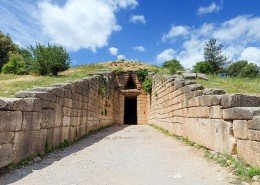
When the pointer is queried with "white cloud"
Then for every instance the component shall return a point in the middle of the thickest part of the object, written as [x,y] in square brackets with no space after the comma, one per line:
[113,51]
[213,7]
[74,24]
[240,36]
[165,55]
[138,19]
[251,54]
[139,48]
[176,31]
[79,28]
[120,57]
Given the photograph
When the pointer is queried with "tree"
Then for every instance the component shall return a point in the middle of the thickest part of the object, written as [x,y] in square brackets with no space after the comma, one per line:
[235,68]
[213,55]
[6,45]
[49,60]
[173,65]
[15,65]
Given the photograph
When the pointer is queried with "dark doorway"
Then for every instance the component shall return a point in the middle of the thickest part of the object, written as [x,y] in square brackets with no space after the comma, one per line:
[130,83]
[130,116]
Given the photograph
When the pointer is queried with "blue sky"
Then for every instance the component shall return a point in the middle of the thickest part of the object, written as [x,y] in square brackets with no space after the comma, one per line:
[146,30]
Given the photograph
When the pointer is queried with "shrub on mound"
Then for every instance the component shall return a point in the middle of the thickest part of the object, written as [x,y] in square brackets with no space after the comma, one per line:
[203,67]
[15,65]
[49,60]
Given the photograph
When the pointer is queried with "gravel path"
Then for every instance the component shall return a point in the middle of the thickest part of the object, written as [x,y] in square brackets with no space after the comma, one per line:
[122,155]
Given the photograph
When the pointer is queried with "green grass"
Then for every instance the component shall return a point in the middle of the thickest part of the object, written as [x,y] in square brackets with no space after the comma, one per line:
[233,85]
[11,84]
[238,166]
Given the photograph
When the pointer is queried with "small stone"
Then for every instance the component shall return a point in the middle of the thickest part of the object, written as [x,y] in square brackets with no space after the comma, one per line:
[256,178]
[37,159]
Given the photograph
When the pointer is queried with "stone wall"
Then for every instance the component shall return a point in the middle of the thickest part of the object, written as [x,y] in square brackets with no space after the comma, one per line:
[42,118]
[227,123]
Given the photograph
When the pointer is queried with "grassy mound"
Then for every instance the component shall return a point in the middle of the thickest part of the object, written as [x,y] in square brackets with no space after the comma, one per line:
[233,85]
[11,84]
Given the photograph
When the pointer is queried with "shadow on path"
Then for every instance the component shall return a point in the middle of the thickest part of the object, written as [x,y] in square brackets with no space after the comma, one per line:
[16,175]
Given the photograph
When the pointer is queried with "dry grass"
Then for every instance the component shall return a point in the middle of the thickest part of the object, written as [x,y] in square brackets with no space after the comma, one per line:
[11,84]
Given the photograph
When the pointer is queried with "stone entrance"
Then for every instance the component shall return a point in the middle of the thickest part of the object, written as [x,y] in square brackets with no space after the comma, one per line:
[130,114]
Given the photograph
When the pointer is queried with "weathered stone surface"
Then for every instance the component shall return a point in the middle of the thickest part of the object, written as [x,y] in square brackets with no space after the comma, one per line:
[202,76]
[36,94]
[240,128]
[6,154]
[3,103]
[254,124]
[253,135]
[189,75]
[57,91]
[47,118]
[31,121]
[240,100]
[215,112]
[212,91]
[250,151]
[211,133]
[65,134]
[10,121]
[6,137]
[18,104]
[210,100]
[54,136]
[192,87]
[29,143]
[198,112]
[240,113]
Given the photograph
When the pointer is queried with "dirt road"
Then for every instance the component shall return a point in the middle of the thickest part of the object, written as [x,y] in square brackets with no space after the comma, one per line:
[122,155]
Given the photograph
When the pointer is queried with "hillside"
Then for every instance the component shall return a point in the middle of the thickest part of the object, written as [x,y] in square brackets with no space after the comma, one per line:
[10,84]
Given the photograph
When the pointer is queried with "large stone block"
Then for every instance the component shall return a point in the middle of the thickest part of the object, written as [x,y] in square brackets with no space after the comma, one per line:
[249,151]
[31,121]
[240,113]
[253,135]
[198,112]
[240,128]
[3,103]
[47,118]
[54,137]
[57,91]
[18,104]
[210,100]
[29,143]
[36,94]
[10,121]
[211,133]
[240,100]
[6,137]
[6,154]
[254,124]
[215,112]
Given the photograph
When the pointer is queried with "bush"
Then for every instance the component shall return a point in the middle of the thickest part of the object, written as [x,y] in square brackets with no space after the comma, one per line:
[173,65]
[235,68]
[142,74]
[49,60]
[250,71]
[147,85]
[15,65]
[203,67]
